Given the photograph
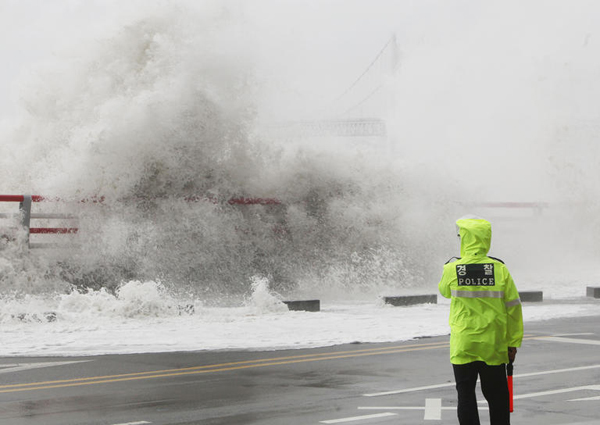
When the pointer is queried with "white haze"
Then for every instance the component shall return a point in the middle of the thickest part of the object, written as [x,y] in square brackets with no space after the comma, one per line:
[147,103]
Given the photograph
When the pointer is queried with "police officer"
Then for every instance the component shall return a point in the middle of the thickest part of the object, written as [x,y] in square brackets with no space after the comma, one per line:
[486,322]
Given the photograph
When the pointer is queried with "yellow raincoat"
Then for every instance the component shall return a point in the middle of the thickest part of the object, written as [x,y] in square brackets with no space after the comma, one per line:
[485,312]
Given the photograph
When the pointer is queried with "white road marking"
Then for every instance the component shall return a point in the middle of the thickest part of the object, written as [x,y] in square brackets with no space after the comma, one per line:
[393,408]
[451,384]
[358,418]
[575,334]
[571,340]
[18,367]
[408,408]
[433,409]
[586,399]
[135,423]
[550,372]
[581,423]
[409,390]
[560,391]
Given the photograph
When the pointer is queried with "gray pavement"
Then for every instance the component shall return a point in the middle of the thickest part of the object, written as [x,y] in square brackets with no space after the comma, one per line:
[557,381]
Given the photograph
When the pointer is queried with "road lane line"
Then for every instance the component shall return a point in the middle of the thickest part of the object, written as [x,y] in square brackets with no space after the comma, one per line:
[572,340]
[410,408]
[586,399]
[18,367]
[559,391]
[358,418]
[550,372]
[135,423]
[451,384]
[409,390]
[218,367]
[575,334]
[243,365]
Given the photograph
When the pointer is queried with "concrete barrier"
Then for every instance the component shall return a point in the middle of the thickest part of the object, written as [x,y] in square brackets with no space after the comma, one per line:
[531,296]
[593,291]
[304,305]
[411,300]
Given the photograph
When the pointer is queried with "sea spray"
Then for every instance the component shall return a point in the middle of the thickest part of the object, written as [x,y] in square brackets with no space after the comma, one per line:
[146,136]
[130,300]
[262,299]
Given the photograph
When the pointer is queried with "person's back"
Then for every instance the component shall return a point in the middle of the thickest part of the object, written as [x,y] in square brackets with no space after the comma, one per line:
[485,320]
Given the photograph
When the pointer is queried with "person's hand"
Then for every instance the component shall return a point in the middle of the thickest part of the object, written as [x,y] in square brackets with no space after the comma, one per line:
[512,353]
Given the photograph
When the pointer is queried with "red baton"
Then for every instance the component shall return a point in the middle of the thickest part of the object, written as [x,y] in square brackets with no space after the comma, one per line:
[509,373]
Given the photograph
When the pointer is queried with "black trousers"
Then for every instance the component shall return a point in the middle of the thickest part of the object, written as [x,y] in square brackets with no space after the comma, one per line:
[494,387]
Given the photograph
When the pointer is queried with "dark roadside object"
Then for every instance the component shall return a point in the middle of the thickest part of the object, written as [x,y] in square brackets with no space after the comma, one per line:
[509,376]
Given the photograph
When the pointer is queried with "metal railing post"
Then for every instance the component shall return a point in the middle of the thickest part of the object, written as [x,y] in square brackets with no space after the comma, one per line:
[25,208]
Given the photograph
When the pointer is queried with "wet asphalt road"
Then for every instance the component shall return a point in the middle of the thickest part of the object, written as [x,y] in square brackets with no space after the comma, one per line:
[557,381]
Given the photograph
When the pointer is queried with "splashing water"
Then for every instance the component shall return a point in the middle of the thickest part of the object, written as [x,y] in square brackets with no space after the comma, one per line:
[262,299]
[156,120]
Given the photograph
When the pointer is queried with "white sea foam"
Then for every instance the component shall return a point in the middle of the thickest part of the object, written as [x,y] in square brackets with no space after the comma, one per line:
[142,318]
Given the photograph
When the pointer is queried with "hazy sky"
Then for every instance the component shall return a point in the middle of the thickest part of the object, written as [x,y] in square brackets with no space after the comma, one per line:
[320,47]
[305,46]
[496,79]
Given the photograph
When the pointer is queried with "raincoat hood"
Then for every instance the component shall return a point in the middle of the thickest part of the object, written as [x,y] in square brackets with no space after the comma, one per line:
[475,237]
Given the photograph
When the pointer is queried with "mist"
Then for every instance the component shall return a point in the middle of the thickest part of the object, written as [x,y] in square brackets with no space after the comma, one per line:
[148,103]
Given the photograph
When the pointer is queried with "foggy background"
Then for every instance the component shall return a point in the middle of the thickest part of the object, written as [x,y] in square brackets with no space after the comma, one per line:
[489,102]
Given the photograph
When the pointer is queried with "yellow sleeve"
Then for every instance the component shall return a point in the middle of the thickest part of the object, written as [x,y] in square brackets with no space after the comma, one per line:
[514,312]
[444,285]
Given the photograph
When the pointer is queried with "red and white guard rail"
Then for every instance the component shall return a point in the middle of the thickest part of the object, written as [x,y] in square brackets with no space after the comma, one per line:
[26,215]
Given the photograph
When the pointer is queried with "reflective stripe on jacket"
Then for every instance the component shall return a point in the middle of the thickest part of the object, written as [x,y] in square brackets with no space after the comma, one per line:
[485,312]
